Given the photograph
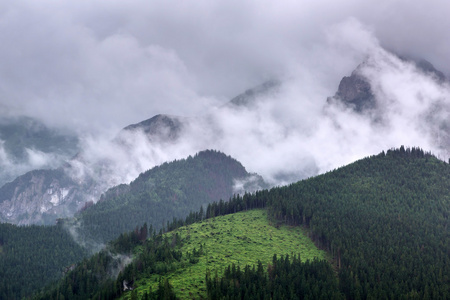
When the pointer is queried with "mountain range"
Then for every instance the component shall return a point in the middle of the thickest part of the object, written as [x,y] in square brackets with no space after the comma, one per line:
[41,197]
[88,195]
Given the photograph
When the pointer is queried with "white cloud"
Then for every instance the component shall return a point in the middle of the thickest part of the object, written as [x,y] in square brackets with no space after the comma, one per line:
[98,66]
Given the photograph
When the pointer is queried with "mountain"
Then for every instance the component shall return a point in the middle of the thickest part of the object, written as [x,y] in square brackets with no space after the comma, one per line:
[160,128]
[252,125]
[162,193]
[27,144]
[250,96]
[384,220]
[391,90]
[355,92]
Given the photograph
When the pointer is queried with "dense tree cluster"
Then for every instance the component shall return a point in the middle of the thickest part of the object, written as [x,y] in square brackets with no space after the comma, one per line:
[32,257]
[284,278]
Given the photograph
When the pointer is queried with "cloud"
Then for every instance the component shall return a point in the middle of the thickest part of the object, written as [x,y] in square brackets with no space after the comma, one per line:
[11,167]
[113,63]
[98,66]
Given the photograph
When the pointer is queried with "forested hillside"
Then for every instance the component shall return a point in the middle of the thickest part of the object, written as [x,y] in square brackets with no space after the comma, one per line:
[165,192]
[384,218]
[32,257]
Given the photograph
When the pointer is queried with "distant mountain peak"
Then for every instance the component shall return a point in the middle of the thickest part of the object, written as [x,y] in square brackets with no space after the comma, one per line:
[249,96]
[161,127]
[355,91]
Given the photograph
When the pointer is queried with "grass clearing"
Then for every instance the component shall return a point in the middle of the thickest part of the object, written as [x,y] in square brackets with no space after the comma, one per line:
[242,238]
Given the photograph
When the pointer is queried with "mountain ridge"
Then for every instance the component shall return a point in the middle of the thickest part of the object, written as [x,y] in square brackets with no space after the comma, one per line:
[168,191]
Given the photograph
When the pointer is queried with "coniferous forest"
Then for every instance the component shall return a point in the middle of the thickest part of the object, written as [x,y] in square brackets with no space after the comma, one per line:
[31,257]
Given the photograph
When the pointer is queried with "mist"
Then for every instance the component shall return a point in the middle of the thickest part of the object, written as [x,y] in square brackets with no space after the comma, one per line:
[96,67]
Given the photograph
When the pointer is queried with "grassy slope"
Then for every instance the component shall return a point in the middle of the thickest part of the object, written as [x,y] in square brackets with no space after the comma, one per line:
[241,238]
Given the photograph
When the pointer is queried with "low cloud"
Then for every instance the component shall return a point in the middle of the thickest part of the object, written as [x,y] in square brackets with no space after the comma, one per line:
[97,67]
[291,132]
[11,166]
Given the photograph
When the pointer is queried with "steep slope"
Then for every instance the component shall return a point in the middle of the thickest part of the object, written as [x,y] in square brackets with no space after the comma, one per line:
[32,257]
[164,192]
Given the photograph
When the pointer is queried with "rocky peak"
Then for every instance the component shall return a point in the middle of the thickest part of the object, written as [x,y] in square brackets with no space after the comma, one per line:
[355,91]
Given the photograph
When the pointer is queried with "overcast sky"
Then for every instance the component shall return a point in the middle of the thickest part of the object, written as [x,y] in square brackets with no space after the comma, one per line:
[112,63]
[97,66]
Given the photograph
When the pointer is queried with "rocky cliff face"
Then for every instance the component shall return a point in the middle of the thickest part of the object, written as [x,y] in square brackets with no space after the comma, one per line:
[39,197]
[355,92]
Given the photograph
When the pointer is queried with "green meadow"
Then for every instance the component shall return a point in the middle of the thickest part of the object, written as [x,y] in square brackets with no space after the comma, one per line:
[243,238]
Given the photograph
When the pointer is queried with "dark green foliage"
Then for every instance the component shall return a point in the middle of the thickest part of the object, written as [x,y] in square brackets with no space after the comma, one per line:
[384,218]
[32,257]
[283,280]
[165,192]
